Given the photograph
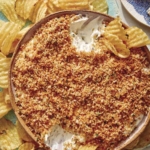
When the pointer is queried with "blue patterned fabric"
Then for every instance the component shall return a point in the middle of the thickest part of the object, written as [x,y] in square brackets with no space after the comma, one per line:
[141,7]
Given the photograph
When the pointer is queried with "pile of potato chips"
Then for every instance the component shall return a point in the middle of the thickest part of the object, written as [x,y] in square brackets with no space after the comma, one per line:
[18,13]
[120,40]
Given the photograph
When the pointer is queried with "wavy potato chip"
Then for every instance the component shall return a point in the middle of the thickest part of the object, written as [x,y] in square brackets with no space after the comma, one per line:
[95,5]
[51,7]
[4,67]
[4,107]
[6,96]
[4,30]
[99,6]
[1,22]
[117,45]
[22,133]
[39,11]
[71,4]
[115,27]
[22,32]
[14,44]
[27,146]
[10,36]
[9,138]
[8,9]
[19,35]
[25,7]
[8,32]
[110,46]
[136,37]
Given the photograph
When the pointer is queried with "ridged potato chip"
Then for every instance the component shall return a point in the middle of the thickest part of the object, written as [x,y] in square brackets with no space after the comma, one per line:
[22,133]
[22,32]
[39,11]
[19,35]
[9,138]
[1,22]
[4,107]
[71,4]
[4,67]
[51,7]
[115,27]
[99,6]
[110,46]
[27,146]
[6,96]
[25,7]
[87,147]
[136,37]
[120,47]
[95,5]
[8,9]
[14,44]
[8,32]
[4,30]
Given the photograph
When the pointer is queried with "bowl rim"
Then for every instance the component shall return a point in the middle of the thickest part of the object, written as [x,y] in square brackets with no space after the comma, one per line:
[29,34]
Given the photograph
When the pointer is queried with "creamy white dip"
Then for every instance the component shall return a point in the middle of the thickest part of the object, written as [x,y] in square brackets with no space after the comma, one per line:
[84,33]
[59,139]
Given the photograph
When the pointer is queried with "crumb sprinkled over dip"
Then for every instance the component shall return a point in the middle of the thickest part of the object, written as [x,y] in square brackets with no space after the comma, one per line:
[93,94]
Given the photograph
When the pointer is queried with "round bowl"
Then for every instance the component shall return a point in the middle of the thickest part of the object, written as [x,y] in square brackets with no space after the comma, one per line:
[138,130]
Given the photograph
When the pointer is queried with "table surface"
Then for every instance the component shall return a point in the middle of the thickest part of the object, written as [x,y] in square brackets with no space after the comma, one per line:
[127,18]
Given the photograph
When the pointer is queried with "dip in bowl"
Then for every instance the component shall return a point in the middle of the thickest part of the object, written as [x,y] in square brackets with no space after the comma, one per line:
[68,89]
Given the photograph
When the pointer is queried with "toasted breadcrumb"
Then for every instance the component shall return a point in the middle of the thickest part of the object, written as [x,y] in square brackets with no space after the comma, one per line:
[97,95]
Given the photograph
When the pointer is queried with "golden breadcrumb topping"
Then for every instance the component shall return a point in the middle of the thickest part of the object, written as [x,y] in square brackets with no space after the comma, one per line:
[98,95]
